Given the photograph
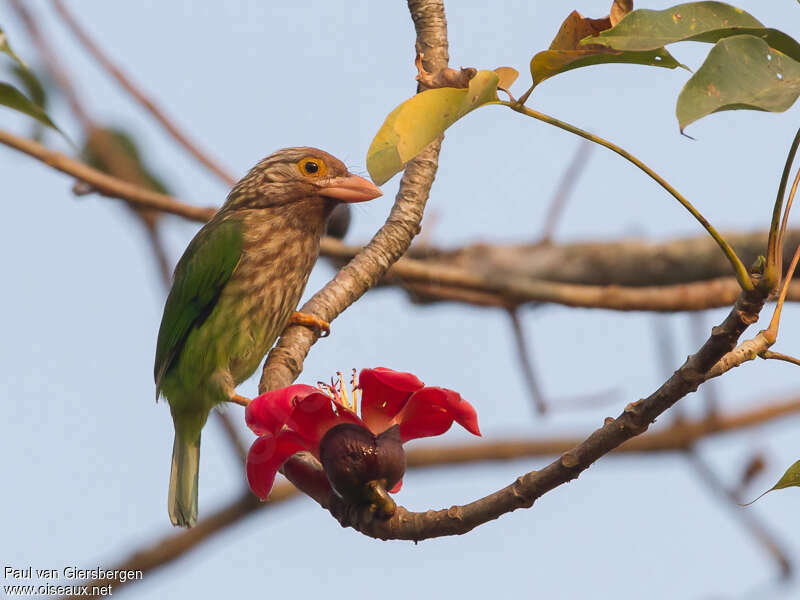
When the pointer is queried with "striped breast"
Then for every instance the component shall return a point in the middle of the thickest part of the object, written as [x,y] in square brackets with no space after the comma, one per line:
[278,254]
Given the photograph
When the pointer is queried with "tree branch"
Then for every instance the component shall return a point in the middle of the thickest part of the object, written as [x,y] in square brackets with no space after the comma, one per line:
[677,437]
[479,281]
[635,419]
[285,361]
[106,184]
[167,123]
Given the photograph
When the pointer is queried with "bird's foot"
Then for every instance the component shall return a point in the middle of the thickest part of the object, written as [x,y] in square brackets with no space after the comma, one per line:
[240,400]
[322,328]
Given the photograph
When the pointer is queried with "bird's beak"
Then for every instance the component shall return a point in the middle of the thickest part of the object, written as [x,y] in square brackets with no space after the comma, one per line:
[349,188]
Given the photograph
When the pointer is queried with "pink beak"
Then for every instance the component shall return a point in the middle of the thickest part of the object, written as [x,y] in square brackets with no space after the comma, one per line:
[350,188]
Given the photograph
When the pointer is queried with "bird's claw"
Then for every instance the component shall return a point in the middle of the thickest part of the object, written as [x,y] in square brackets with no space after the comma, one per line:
[322,328]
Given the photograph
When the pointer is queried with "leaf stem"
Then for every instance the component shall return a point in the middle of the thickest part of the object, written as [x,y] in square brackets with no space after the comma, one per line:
[771,274]
[742,275]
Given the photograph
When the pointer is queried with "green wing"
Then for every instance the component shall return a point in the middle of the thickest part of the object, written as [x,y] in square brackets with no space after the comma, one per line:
[200,275]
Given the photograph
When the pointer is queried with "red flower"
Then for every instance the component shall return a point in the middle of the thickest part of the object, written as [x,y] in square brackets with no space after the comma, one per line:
[298,417]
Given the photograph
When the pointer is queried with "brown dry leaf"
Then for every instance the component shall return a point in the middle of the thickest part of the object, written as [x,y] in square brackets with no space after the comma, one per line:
[619,9]
[576,27]
[566,52]
[507,75]
[447,77]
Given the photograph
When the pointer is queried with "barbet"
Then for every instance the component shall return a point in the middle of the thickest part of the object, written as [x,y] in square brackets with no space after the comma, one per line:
[235,290]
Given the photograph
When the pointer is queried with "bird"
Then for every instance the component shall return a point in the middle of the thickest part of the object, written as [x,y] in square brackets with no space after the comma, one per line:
[234,291]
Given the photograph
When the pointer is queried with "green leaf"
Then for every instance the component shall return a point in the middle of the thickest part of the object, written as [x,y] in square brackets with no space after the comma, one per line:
[740,72]
[568,50]
[421,119]
[790,479]
[6,49]
[547,63]
[16,100]
[126,145]
[31,84]
[645,29]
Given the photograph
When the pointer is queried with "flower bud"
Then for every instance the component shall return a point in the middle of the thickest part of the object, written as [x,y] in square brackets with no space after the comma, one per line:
[355,461]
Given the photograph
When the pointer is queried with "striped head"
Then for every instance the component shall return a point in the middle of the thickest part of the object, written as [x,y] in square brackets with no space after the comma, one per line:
[299,174]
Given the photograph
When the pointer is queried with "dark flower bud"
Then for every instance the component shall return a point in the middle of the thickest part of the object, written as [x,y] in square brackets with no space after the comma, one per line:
[360,466]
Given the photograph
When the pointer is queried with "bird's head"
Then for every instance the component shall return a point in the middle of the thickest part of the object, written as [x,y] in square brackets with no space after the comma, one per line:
[298,174]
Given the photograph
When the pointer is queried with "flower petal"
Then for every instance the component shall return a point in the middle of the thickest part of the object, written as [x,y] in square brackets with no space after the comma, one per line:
[269,412]
[432,410]
[266,456]
[313,416]
[384,394]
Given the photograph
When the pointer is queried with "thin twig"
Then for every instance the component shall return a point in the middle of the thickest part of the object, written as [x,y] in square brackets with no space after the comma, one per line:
[140,96]
[54,66]
[564,190]
[526,364]
[742,275]
[106,184]
[757,530]
[769,354]
[665,344]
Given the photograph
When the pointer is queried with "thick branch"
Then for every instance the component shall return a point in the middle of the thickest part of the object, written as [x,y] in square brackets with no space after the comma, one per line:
[674,438]
[636,418]
[466,275]
[285,361]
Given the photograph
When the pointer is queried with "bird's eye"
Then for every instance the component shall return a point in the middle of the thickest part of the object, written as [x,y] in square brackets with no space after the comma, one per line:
[311,167]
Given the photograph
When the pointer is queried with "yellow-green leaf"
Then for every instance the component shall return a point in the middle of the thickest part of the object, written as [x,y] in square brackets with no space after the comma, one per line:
[740,72]
[791,478]
[421,119]
[16,100]
[6,49]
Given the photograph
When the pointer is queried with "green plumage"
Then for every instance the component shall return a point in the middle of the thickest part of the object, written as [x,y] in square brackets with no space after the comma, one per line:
[203,270]
[200,276]
[234,291]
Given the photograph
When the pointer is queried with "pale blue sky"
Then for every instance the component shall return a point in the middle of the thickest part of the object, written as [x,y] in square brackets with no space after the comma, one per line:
[86,451]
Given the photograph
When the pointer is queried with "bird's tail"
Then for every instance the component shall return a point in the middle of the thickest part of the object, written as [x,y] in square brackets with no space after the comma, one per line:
[182,500]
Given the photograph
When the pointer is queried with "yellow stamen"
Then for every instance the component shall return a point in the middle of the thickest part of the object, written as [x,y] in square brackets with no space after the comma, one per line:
[338,392]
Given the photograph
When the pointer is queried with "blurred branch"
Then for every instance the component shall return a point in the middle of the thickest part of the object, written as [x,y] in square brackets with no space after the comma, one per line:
[465,284]
[564,190]
[167,549]
[665,342]
[749,519]
[136,92]
[106,184]
[54,65]
[526,364]
[674,438]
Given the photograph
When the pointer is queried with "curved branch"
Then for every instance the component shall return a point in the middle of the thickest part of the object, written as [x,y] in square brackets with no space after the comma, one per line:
[285,361]
[634,420]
